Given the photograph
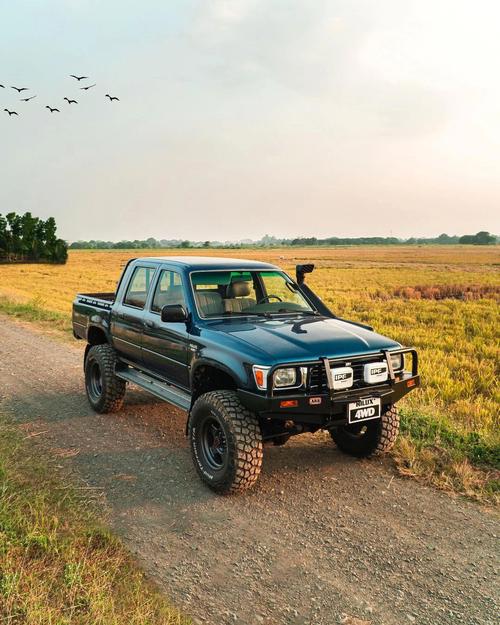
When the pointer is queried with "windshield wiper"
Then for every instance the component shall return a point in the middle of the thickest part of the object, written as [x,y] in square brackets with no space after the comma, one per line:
[236,313]
[311,313]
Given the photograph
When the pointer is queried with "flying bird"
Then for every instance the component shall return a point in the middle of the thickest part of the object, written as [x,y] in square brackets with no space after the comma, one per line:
[10,112]
[2,86]
[88,87]
[19,89]
[112,97]
[27,99]
[70,101]
[79,77]
[53,110]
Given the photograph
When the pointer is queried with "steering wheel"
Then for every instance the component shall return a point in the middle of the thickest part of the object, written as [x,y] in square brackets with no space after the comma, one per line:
[267,298]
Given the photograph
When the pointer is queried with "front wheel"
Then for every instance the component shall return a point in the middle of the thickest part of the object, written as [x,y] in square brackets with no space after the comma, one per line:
[368,438]
[226,442]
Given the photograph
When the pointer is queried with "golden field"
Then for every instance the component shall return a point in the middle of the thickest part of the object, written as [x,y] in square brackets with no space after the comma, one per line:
[443,300]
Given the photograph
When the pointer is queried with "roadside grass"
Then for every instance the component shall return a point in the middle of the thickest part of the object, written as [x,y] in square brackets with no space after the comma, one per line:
[443,300]
[430,450]
[34,311]
[58,564]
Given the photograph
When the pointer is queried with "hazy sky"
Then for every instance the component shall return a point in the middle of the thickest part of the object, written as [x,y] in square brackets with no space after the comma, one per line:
[244,117]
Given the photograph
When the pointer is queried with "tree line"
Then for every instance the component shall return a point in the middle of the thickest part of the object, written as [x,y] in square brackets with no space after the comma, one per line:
[481,238]
[25,238]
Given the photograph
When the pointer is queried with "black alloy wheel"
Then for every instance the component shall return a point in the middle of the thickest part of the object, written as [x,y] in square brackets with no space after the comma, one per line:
[213,443]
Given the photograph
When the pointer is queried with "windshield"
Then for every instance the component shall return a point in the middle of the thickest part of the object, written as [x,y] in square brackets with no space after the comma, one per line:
[264,293]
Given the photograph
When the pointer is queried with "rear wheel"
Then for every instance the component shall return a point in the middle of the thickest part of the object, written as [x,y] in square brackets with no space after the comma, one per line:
[105,391]
[226,442]
[369,438]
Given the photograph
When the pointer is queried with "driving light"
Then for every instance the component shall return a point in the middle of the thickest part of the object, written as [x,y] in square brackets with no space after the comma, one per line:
[397,361]
[375,372]
[285,377]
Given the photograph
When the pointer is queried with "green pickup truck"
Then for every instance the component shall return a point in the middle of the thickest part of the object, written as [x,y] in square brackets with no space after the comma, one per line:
[252,355]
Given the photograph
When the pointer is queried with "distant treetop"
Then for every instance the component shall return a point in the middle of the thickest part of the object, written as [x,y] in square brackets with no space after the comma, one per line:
[481,238]
[24,238]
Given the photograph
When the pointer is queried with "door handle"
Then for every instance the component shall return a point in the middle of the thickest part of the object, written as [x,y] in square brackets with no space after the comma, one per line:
[149,324]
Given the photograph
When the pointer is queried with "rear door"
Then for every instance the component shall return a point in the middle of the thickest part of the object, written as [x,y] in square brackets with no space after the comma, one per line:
[128,313]
[165,345]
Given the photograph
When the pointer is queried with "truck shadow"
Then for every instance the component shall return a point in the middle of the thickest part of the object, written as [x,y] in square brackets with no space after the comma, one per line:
[139,457]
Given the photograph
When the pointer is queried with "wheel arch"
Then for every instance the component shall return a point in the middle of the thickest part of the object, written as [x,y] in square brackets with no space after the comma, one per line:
[95,336]
[211,376]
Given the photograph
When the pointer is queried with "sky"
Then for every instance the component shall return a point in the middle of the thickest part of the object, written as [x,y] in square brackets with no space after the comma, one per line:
[239,118]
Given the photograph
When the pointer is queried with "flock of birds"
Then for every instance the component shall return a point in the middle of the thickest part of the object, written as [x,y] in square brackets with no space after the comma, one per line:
[51,109]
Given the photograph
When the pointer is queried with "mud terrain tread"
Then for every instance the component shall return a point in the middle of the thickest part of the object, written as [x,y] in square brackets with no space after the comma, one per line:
[244,442]
[389,429]
[113,387]
[378,440]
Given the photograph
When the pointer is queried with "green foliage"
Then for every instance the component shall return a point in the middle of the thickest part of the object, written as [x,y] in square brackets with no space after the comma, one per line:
[426,431]
[481,238]
[267,241]
[28,238]
[34,311]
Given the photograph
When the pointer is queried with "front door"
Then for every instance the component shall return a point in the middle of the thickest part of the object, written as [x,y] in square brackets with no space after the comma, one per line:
[164,345]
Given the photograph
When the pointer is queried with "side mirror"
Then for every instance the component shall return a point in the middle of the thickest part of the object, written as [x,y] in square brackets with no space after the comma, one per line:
[173,313]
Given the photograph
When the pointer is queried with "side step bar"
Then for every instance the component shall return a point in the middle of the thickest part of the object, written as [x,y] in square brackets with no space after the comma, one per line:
[164,391]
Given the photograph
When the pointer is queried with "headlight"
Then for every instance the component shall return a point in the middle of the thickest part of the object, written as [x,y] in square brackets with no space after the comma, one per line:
[397,361]
[285,377]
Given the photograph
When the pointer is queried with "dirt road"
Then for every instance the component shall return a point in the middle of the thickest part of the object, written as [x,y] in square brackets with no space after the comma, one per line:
[322,539]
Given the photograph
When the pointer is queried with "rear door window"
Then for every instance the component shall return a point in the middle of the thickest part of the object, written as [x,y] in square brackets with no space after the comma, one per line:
[169,291]
[138,288]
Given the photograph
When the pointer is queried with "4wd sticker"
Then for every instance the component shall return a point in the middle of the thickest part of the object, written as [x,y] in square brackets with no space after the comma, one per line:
[364,410]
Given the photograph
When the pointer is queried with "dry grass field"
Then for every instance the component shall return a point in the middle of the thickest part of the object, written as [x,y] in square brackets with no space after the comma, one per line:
[442,300]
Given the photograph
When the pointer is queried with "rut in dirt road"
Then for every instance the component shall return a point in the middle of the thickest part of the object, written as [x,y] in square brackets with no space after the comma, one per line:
[322,537]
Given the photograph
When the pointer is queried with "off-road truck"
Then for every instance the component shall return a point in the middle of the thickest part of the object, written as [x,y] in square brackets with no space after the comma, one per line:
[252,355]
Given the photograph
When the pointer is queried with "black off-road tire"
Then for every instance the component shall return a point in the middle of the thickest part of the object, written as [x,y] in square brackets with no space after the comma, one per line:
[230,460]
[369,438]
[105,391]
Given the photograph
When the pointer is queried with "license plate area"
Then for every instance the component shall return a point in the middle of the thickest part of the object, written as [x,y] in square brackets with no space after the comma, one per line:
[364,410]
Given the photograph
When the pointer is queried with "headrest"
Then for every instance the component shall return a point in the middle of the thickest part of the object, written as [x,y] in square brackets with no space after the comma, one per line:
[239,289]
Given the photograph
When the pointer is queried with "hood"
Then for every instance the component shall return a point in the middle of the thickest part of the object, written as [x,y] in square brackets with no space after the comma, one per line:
[291,340]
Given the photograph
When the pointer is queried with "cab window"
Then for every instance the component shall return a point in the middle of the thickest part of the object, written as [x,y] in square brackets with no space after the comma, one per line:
[138,288]
[168,291]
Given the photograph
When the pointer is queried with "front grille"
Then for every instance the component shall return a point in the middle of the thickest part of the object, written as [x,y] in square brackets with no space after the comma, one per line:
[317,375]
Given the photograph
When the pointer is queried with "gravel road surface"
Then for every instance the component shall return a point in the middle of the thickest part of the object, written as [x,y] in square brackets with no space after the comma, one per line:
[322,539]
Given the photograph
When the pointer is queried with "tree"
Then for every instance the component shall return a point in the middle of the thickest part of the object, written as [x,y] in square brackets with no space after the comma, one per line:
[480,238]
[28,238]
[14,223]
[3,236]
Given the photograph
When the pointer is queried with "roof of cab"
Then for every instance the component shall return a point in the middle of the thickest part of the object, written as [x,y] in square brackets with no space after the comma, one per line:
[208,262]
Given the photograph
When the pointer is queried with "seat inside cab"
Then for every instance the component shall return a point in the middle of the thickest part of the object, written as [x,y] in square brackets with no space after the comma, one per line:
[223,292]
[239,296]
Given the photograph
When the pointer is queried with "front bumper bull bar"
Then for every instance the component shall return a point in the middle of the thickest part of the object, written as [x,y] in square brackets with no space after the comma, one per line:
[329,407]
